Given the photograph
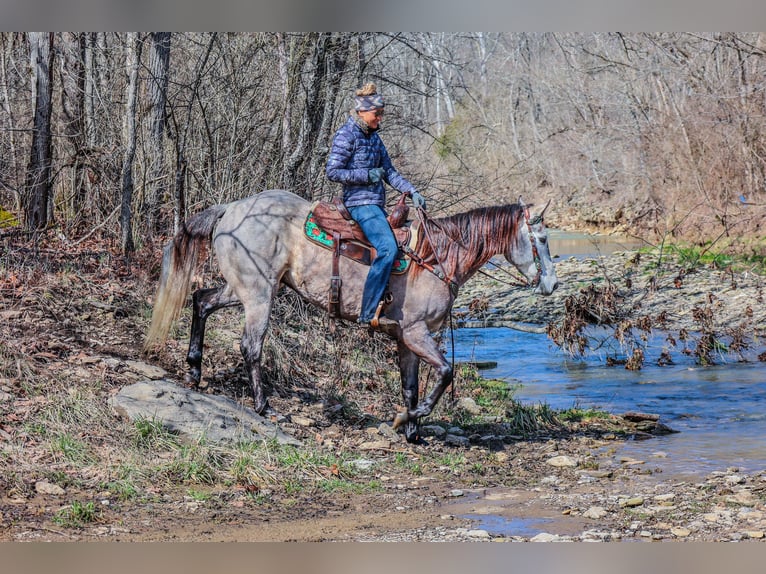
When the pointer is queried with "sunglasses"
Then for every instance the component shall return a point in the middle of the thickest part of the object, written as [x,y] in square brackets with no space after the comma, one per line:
[377,113]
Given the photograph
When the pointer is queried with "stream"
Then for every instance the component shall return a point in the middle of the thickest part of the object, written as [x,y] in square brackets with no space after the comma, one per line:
[719,410]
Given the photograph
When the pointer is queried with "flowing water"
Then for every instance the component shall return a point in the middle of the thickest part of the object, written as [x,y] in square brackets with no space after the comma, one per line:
[720,411]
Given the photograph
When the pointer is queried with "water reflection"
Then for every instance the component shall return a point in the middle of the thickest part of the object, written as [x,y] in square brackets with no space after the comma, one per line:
[568,244]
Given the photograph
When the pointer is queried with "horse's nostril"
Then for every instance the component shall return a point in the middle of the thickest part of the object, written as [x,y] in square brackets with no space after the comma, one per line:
[556,285]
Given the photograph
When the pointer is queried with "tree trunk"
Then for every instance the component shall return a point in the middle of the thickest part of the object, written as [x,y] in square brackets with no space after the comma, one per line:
[72,105]
[132,58]
[7,40]
[89,96]
[159,60]
[38,184]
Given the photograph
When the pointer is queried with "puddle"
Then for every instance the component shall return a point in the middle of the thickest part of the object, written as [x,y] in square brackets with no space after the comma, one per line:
[500,526]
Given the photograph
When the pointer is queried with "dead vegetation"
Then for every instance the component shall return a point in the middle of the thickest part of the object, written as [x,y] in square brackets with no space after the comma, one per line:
[611,313]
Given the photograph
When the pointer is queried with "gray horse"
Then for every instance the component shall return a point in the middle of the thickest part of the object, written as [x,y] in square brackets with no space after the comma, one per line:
[259,243]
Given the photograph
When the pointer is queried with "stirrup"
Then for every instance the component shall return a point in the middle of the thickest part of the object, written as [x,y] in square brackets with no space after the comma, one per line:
[375,321]
[387,299]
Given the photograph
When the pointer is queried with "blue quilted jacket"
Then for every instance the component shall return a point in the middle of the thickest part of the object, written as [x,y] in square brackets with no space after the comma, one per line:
[354,152]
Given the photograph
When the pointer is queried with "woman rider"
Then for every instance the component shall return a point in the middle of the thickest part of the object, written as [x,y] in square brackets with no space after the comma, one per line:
[359,160]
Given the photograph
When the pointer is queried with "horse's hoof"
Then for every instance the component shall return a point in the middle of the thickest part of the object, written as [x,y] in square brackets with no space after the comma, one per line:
[400,419]
[190,379]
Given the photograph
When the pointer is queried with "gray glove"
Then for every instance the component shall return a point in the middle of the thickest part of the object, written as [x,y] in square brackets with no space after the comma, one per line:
[375,174]
[418,200]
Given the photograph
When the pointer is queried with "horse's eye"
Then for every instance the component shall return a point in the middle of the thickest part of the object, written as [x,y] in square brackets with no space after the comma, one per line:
[543,240]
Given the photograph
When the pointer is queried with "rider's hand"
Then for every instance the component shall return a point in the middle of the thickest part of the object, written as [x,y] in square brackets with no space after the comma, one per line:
[418,200]
[375,174]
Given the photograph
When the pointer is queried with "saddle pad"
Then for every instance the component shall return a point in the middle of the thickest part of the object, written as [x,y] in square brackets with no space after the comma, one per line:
[355,250]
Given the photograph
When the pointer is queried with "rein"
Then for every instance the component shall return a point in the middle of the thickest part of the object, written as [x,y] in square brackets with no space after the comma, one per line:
[436,270]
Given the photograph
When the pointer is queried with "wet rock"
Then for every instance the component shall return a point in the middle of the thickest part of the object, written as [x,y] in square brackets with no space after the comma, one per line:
[195,415]
[456,493]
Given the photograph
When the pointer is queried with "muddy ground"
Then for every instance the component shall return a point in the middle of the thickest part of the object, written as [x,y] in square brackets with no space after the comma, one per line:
[76,321]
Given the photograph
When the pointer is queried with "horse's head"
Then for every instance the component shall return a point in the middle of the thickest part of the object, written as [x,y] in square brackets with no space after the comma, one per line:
[531,255]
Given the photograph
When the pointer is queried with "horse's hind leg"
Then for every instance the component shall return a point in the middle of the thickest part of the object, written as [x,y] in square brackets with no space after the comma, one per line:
[409,367]
[205,302]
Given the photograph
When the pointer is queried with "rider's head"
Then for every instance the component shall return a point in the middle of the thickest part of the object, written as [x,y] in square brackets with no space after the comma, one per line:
[369,104]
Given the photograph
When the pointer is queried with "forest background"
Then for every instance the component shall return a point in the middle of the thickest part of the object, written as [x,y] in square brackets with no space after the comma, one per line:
[124,135]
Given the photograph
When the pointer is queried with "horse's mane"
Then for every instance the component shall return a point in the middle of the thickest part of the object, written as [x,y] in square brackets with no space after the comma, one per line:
[470,238]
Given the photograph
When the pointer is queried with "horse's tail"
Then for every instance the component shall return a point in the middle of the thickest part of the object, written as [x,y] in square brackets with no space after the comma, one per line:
[178,264]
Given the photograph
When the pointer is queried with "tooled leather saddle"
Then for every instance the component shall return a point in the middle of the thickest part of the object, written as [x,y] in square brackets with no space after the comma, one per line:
[330,225]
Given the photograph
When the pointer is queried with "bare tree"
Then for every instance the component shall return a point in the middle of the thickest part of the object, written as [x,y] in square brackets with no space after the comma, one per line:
[132,59]
[38,185]
[157,88]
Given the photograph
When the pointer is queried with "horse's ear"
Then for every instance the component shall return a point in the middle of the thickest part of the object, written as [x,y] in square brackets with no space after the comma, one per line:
[521,203]
[544,208]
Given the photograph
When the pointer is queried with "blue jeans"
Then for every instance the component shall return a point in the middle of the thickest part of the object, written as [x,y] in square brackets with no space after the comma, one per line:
[372,220]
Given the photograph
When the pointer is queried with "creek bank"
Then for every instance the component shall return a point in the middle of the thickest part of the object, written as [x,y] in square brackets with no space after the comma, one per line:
[642,286]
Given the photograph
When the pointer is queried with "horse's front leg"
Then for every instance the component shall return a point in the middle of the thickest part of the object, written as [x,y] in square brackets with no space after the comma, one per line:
[419,341]
[409,367]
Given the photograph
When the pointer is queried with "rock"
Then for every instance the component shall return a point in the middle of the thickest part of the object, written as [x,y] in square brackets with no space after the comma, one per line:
[456,493]
[45,487]
[195,415]
[755,534]
[545,537]
[665,497]
[388,431]
[469,405]
[680,532]
[433,430]
[632,502]
[455,440]
[302,421]
[595,512]
[478,534]
[362,463]
[375,445]
[562,461]
[145,370]
[638,417]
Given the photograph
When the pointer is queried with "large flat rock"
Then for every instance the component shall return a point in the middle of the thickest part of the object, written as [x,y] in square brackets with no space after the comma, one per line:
[195,415]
